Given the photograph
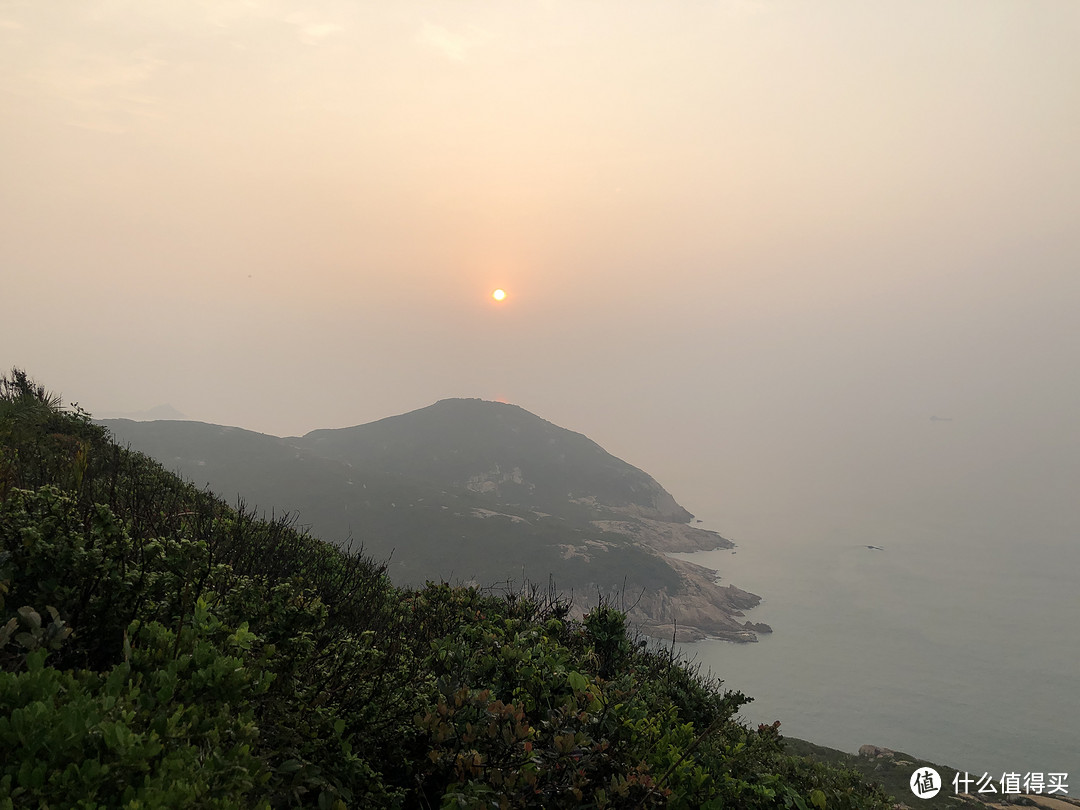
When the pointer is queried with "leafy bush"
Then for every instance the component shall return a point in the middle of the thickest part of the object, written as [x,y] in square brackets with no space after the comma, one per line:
[160,730]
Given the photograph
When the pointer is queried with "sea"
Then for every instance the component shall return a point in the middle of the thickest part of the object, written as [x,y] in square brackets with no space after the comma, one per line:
[934,611]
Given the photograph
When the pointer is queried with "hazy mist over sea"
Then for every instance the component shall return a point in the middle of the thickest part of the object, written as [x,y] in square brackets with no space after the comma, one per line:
[814,267]
[955,640]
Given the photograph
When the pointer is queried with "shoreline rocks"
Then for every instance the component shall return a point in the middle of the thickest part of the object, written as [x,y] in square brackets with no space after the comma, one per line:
[701,608]
[665,536]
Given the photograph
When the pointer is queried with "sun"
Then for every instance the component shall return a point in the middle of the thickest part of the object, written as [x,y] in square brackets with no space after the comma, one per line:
[499,295]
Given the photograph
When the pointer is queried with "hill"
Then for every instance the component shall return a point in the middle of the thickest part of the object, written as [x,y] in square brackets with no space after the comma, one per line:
[477,492]
[161,649]
[498,449]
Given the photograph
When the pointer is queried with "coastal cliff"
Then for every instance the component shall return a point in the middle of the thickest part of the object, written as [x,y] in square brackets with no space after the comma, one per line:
[476,492]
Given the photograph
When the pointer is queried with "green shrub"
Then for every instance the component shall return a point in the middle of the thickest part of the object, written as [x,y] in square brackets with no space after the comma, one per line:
[142,734]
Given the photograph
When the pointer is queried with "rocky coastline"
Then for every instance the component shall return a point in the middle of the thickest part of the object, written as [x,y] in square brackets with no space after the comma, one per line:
[701,608]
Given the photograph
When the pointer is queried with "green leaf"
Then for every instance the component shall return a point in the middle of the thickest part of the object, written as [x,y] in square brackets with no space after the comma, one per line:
[30,616]
[290,766]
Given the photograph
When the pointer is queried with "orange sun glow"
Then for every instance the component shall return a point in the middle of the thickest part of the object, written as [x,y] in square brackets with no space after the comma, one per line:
[499,295]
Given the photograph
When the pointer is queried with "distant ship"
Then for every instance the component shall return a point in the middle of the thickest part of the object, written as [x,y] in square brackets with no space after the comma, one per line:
[876,548]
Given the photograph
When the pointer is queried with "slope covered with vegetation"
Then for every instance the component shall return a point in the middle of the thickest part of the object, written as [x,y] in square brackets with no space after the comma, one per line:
[474,492]
[401,516]
[159,648]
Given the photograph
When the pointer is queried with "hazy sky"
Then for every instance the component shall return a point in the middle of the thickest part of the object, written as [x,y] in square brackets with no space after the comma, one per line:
[740,239]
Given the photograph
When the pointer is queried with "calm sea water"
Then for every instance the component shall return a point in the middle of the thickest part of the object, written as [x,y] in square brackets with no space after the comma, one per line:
[958,642]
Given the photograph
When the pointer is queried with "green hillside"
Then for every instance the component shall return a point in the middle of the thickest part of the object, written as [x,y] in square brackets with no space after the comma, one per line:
[456,442]
[478,493]
[159,648]
[422,519]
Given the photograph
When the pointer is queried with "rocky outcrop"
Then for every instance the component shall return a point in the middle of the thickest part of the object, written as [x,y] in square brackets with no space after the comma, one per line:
[665,536]
[758,627]
[700,609]
[492,480]
[875,752]
[656,505]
